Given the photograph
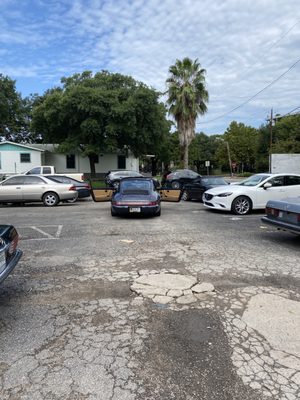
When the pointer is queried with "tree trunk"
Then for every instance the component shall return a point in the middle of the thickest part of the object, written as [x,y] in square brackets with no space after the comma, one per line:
[186,156]
[92,165]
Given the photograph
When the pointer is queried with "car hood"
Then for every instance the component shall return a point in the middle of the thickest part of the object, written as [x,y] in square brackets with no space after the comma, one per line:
[223,189]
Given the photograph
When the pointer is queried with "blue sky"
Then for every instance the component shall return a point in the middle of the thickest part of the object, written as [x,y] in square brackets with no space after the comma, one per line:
[243,45]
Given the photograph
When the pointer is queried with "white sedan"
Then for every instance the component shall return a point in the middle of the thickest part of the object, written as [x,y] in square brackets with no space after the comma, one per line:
[252,193]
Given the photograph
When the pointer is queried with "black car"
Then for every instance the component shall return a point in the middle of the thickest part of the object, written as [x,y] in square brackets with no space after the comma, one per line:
[136,196]
[195,190]
[177,179]
[9,253]
[112,178]
[83,188]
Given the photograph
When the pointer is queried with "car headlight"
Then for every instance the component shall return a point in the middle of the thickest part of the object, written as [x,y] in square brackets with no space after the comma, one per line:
[224,194]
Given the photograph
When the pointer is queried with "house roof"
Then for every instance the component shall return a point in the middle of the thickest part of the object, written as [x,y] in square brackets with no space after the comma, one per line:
[20,145]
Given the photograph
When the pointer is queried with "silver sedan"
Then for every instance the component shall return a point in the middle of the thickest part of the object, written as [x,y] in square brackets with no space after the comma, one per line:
[27,189]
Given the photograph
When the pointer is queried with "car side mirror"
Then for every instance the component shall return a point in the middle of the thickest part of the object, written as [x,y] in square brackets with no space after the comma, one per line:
[267,185]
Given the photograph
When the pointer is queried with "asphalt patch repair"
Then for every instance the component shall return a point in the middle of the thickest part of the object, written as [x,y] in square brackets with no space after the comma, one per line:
[188,357]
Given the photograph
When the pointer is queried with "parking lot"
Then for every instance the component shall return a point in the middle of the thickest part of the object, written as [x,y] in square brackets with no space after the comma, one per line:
[72,328]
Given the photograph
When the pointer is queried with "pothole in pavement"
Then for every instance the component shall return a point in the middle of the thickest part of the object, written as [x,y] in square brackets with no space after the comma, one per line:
[188,357]
[264,345]
[165,288]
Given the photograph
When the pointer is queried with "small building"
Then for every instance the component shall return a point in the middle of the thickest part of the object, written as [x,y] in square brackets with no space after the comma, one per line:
[17,158]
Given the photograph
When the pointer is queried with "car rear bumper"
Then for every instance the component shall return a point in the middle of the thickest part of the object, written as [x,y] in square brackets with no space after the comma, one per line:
[83,193]
[144,210]
[285,226]
[11,265]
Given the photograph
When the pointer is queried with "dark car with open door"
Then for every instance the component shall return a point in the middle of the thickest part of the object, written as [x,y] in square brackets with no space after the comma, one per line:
[195,189]
[136,196]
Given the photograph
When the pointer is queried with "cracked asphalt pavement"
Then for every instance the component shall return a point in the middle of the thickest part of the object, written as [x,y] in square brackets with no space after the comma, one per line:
[71,328]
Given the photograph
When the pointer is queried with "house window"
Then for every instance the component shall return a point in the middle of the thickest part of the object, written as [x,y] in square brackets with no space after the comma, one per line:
[121,162]
[25,157]
[70,160]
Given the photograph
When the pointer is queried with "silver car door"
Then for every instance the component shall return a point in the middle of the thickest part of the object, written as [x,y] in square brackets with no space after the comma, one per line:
[34,187]
[11,189]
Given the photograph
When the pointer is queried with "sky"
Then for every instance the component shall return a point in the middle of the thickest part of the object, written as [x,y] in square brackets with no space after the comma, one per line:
[249,49]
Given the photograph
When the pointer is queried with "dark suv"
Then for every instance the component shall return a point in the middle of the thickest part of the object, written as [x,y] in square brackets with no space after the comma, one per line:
[113,178]
[177,179]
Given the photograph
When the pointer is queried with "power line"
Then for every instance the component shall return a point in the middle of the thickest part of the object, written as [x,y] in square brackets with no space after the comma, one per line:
[252,97]
[281,116]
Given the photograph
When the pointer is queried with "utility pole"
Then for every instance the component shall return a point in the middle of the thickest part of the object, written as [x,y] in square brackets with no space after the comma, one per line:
[271,141]
[229,158]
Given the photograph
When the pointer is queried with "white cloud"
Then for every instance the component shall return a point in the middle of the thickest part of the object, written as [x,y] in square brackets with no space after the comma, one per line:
[243,45]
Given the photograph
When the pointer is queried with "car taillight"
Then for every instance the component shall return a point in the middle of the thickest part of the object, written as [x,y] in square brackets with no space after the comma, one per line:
[153,203]
[72,188]
[87,186]
[272,211]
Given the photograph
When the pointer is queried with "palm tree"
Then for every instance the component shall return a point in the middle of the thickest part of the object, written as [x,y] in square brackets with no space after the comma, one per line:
[187,98]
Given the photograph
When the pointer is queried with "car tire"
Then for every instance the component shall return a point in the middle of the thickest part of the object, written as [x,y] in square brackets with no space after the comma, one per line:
[185,196]
[158,214]
[175,185]
[242,205]
[50,199]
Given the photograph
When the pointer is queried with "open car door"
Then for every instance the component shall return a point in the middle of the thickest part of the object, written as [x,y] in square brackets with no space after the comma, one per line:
[102,194]
[170,194]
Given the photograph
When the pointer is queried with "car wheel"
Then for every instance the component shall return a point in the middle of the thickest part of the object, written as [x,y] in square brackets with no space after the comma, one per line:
[185,196]
[242,205]
[175,185]
[50,199]
[158,213]
[113,213]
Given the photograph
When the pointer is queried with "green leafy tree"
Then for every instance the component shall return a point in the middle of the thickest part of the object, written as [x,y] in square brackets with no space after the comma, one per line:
[286,135]
[14,112]
[187,99]
[242,142]
[203,148]
[102,112]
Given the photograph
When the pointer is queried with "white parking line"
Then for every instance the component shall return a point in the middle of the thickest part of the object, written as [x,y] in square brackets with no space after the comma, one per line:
[46,235]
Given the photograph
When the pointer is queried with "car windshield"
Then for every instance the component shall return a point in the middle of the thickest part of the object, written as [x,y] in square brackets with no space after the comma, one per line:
[137,186]
[253,180]
[214,181]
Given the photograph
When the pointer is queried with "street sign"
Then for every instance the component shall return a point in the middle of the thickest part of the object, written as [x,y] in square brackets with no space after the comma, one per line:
[207,163]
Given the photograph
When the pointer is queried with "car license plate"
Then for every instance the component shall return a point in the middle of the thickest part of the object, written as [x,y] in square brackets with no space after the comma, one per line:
[135,209]
[280,215]
[2,261]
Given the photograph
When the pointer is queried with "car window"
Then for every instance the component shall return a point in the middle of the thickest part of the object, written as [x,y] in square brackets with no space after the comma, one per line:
[253,180]
[47,170]
[292,180]
[34,171]
[58,179]
[277,181]
[136,186]
[33,180]
[15,180]
[213,181]
[192,174]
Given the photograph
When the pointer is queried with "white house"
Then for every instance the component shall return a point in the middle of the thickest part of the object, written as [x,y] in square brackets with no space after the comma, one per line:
[17,158]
